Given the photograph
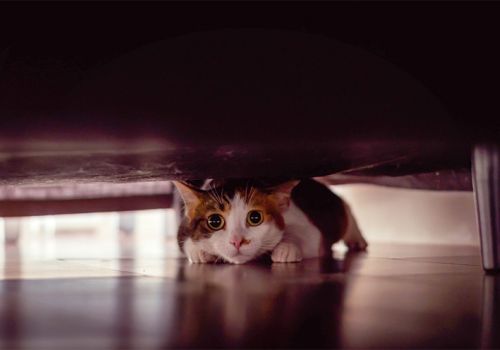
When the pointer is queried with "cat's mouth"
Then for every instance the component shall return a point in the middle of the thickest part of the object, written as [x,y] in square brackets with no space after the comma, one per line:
[239,258]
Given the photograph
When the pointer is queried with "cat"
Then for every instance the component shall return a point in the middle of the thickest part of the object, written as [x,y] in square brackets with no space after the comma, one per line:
[237,221]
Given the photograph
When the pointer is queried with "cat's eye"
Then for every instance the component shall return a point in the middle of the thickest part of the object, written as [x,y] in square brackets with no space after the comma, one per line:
[215,222]
[255,217]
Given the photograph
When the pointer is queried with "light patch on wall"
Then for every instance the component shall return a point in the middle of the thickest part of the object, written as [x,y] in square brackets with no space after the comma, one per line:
[150,234]
[394,215]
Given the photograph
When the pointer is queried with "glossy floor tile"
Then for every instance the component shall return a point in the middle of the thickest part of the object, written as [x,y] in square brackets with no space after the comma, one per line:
[390,297]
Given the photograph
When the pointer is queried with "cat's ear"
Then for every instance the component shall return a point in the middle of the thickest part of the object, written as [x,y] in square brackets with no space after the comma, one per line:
[189,194]
[283,192]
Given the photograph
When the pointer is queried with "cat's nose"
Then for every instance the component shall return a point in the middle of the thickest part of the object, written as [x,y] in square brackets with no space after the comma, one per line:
[238,241]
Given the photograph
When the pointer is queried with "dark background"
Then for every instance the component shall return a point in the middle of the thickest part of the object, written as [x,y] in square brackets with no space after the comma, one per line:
[452,48]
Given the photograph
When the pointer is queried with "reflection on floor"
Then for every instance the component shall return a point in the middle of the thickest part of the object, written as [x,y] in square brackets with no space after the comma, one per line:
[397,296]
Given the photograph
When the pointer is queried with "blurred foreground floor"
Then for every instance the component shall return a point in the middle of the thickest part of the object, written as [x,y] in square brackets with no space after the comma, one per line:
[397,296]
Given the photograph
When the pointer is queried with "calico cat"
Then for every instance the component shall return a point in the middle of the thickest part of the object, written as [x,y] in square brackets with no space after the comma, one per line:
[239,220]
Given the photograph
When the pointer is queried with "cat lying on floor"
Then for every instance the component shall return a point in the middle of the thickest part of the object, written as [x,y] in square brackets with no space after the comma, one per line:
[240,220]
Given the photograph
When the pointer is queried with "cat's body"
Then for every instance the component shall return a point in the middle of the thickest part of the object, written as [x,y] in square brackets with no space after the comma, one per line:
[238,221]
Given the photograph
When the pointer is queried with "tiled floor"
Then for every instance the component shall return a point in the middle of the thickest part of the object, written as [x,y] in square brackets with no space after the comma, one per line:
[394,296]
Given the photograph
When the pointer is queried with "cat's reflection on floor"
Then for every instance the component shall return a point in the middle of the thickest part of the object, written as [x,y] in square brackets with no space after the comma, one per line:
[249,299]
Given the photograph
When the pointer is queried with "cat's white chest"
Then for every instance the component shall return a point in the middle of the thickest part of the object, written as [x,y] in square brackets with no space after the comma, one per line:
[300,230]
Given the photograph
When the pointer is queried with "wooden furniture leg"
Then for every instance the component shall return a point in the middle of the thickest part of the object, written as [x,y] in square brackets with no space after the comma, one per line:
[486,183]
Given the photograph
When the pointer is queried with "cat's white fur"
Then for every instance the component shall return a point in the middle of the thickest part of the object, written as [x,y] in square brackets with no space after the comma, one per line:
[300,238]
[300,231]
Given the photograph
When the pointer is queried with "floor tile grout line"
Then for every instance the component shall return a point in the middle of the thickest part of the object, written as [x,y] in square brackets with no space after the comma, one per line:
[131,273]
[416,259]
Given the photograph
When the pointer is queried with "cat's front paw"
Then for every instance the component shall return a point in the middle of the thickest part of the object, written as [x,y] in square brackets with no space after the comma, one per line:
[286,252]
[355,242]
[196,255]
[201,257]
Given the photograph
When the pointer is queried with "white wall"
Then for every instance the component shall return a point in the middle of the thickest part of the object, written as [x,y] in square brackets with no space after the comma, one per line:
[412,216]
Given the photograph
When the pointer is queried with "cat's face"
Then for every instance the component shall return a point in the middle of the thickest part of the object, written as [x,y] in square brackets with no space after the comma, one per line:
[237,222]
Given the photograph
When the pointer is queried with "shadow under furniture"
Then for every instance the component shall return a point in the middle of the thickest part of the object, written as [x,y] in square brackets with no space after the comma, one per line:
[246,103]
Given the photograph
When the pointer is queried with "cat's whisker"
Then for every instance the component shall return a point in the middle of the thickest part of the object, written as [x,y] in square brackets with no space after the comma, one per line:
[252,192]
[247,192]
[225,198]
[213,192]
[219,195]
